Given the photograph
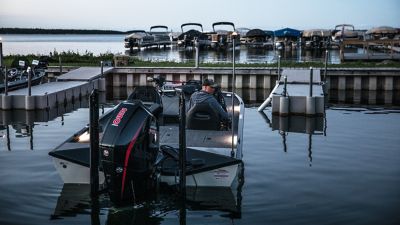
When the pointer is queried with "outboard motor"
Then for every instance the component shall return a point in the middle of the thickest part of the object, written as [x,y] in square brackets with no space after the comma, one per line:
[129,148]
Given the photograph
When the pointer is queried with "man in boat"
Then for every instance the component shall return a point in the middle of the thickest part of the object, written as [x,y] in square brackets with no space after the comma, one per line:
[206,95]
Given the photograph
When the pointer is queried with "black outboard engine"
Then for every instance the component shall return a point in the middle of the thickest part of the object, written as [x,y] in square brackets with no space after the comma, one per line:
[129,148]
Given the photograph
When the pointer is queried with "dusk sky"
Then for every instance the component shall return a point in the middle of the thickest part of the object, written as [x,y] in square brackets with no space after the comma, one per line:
[129,14]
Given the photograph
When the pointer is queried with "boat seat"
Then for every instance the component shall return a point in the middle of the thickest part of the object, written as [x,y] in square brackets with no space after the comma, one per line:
[150,98]
[145,94]
[203,117]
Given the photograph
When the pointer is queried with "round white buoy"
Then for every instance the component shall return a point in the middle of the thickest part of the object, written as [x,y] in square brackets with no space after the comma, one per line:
[284,106]
[30,102]
[310,106]
[6,102]
[102,84]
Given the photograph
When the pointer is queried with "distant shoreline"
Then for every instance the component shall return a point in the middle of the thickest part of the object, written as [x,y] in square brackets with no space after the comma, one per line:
[57,31]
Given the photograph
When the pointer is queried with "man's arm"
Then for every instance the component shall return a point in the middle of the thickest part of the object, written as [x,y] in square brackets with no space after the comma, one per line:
[215,104]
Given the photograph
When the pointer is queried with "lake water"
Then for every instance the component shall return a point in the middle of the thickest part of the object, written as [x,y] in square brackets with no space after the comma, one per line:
[97,44]
[346,171]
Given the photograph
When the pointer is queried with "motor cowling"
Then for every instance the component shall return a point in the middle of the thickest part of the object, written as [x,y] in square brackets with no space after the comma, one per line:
[129,148]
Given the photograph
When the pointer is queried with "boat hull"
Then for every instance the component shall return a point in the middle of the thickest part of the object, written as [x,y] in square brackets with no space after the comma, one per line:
[221,177]
[73,173]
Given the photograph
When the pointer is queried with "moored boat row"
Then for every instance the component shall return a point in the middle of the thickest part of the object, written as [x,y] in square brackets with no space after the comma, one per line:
[224,34]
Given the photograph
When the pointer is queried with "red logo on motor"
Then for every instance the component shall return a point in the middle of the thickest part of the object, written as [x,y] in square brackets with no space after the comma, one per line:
[119,117]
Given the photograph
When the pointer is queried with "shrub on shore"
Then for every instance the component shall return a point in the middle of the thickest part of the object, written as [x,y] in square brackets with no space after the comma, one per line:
[71,58]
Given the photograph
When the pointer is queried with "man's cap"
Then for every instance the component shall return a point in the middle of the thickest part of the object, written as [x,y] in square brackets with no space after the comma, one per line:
[210,82]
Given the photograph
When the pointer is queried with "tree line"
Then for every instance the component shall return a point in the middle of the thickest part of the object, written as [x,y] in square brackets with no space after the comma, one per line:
[56,31]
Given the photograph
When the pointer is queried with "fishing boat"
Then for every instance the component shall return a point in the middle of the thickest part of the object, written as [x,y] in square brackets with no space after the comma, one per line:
[140,140]
[18,78]
[223,38]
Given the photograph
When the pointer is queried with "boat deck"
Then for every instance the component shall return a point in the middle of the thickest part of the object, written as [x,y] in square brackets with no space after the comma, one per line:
[169,135]
[210,139]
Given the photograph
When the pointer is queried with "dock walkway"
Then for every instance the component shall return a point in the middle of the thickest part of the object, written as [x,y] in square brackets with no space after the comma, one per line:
[69,87]
[301,97]
[84,74]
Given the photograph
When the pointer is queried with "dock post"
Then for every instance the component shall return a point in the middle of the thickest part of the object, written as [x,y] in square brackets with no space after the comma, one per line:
[182,144]
[102,67]
[196,44]
[29,99]
[29,81]
[233,94]
[60,65]
[6,100]
[285,87]
[326,64]
[279,67]
[101,82]
[5,81]
[1,53]
[310,100]
[311,82]
[94,142]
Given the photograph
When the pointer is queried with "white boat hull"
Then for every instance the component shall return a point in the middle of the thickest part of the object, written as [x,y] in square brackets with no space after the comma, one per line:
[72,173]
[221,177]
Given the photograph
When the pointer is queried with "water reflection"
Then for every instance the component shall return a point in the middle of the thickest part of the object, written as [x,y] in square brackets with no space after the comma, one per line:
[75,200]
[21,123]
[243,54]
[297,124]
[364,97]
[257,96]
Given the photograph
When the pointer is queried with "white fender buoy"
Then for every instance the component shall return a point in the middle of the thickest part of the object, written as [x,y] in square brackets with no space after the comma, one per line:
[310,106]
[6,102]
[284,106]
[30,102]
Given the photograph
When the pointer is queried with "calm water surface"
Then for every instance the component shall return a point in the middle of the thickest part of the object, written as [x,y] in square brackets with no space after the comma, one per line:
[97,44]
[346,172]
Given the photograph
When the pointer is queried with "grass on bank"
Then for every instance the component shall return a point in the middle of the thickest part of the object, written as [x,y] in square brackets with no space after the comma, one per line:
[71,58]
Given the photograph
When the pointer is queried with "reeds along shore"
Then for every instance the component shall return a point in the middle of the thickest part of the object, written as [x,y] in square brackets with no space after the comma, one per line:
[71,58]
